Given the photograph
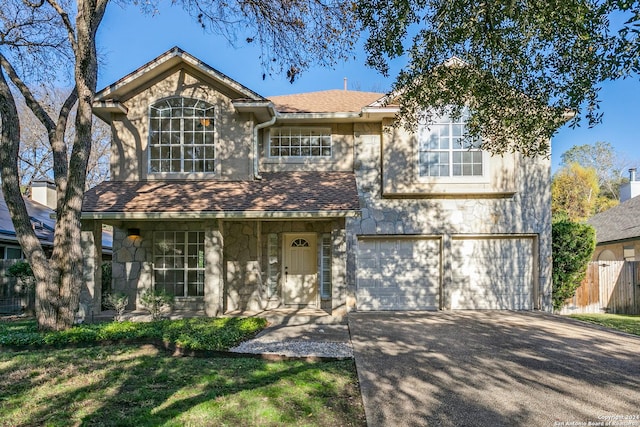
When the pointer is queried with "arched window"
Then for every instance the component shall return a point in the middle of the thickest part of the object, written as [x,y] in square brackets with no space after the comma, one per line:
[300,243]
[181,136]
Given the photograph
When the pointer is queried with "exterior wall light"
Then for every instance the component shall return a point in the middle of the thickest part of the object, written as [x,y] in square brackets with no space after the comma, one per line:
[133,232]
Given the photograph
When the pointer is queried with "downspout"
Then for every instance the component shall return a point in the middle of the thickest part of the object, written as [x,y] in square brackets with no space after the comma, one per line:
[256,128]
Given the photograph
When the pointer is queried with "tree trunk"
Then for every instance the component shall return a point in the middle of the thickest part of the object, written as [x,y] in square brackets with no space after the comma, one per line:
[46,297]
[66,260]
[58,280]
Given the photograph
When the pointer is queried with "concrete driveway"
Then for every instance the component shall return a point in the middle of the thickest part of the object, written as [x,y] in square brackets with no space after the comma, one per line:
[494,369]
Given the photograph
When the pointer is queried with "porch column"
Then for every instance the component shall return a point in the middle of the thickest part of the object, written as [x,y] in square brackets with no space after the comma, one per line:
[213,275]
[91,245]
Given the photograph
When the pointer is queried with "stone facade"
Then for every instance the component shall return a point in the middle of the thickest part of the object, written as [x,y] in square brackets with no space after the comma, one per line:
[492,224]
[525,213]
[238,263]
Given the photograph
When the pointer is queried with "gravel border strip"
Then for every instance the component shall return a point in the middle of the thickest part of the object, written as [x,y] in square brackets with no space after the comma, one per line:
[296,348]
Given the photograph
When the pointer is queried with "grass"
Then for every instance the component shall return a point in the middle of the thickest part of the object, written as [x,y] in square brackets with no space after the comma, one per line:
[208,334]
[139,385]
[622,322]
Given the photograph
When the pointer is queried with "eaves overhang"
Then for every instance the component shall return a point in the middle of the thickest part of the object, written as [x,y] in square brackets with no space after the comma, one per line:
[264,215]
[103,109]
[618,241]
[262,110]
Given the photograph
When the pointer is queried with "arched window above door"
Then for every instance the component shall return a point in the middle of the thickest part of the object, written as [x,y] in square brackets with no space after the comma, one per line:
[300,243]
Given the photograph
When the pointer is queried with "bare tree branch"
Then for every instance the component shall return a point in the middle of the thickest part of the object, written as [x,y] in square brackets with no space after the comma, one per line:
[33,104]
[71,33]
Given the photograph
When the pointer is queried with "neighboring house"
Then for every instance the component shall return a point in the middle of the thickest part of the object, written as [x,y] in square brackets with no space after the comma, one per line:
[618,228]
[41,210]
[236,202]
[41,220]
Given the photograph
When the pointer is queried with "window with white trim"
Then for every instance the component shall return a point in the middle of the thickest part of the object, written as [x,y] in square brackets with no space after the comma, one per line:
[181,136]
[325,265]
[288,142]
[445,149]
[178,267]
[272,265]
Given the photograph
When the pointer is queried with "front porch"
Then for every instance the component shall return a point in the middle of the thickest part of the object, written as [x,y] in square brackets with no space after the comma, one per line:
[226,267]
[221,246]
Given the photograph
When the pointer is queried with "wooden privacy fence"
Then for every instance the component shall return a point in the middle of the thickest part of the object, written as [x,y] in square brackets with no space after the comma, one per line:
[609,287]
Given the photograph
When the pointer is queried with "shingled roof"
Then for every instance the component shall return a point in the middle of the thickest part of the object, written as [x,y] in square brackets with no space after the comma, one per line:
[618,223]
[303,194]
[326,101]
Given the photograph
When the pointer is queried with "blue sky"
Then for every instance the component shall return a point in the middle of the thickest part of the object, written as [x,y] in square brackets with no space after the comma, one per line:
[128,39]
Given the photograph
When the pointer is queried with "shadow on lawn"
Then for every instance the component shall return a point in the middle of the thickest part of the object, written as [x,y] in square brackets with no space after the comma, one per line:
[125,385]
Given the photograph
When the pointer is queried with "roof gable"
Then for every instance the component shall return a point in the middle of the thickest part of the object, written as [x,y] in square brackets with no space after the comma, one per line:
[174,58]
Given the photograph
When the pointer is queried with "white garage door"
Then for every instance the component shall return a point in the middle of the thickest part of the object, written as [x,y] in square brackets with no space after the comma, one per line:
[398,274]
[492,273]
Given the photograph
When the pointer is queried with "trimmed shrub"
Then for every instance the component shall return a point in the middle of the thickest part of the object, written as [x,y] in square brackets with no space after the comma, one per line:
[156,302]
[208,334]
[21,270]
[117,302]
[572,249]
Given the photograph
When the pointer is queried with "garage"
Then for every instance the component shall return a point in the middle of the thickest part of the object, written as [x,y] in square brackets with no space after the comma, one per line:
[398,273]
[491,273]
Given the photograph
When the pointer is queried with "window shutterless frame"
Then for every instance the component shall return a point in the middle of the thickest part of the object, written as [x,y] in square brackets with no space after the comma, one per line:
[179,262]
[444,150]
[182,135]
[300,142]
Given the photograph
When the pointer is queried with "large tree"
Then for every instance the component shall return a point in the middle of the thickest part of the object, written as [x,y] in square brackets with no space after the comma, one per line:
[574,192]
[609,165]
[522,67]
[51,35]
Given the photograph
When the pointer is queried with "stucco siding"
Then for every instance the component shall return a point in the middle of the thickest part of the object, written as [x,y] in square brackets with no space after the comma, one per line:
[526,212]
[341,151]
[617,251]
[233,131]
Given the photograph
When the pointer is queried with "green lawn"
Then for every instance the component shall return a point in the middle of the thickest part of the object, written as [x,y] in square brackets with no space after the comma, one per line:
[621,322]
[144,386]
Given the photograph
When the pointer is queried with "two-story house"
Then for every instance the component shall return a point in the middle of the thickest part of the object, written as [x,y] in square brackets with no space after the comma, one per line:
[236,202]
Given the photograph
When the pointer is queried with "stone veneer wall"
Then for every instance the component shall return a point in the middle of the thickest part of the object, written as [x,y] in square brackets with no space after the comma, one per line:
[243,265]
[527,212]
[133,260]
[246,262]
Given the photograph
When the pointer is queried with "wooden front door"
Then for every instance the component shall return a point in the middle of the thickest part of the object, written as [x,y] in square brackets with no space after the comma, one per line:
[300,269]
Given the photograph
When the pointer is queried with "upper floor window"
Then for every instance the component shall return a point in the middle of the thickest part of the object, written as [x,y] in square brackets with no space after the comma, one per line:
[445,149]
[181,136]
[300,142]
